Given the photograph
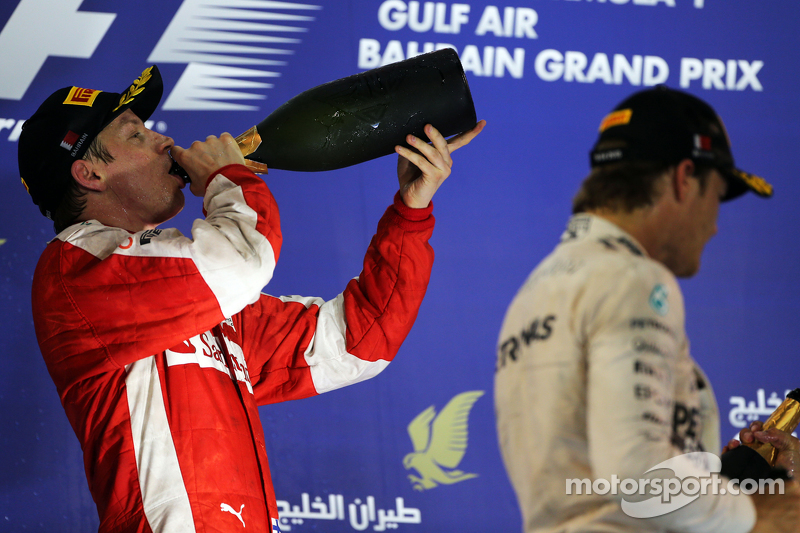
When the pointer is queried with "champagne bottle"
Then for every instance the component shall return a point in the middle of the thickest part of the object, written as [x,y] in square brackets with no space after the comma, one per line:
[757,459]
[785,417]
[362,117]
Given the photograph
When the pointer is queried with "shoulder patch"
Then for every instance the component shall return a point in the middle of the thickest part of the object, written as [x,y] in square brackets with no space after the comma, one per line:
[659,299]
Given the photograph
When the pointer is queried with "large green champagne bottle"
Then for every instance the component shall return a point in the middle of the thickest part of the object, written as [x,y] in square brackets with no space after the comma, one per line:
[362,117]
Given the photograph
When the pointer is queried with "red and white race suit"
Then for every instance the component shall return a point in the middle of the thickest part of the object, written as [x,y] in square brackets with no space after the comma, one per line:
[162,346]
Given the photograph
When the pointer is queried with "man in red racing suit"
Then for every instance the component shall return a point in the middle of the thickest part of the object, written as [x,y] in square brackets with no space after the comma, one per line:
[162,346]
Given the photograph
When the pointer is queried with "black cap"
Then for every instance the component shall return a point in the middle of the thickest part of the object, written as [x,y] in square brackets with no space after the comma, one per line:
[64,126]
[663,124]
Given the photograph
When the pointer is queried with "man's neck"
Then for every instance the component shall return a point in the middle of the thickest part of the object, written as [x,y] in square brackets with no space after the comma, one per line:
[647,225]
[111,217]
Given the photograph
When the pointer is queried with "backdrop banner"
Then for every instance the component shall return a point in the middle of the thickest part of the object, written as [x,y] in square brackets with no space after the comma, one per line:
[380,455]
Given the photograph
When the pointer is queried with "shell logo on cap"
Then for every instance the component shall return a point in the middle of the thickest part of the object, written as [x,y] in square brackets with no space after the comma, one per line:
[616,118]
[81,96]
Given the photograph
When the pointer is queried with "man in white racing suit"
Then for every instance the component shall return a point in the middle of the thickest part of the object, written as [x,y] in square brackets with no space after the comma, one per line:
[594,380]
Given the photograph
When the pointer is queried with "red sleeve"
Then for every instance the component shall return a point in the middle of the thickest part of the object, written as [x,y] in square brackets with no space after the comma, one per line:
[298,347]
[103,298]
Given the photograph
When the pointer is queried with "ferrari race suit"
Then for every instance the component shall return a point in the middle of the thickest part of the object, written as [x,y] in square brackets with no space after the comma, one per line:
[161,348]
[594,381]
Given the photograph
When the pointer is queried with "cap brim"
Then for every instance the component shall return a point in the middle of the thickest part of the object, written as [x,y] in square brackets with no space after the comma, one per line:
[142,97]
[739,182]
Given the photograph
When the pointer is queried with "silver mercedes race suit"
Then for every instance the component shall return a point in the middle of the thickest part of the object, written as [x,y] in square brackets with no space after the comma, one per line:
[594,381]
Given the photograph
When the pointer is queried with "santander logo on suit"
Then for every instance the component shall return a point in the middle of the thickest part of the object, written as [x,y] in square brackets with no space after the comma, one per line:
[204,350]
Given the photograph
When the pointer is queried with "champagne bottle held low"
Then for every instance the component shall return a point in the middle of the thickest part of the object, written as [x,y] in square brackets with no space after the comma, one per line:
[759,456]
[786,418]
[362,117]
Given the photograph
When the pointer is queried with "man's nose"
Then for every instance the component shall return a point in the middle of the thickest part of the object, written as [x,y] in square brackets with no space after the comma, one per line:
[164,142]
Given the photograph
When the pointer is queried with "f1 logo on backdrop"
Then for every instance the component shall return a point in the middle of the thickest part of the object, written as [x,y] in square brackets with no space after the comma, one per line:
[222,43]
[225,47]
[38,29]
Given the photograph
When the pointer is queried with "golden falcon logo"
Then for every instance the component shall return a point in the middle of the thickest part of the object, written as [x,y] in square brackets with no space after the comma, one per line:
[440,442]
[136,87]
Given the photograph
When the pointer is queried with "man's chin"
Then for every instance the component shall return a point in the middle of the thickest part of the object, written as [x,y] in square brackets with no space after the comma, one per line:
[688,271]
[173,212]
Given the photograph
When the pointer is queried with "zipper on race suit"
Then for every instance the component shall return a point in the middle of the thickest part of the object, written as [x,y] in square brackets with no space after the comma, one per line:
[217,330]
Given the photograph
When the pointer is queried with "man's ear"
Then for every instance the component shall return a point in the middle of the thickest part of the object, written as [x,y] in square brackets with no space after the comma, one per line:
[682,174]
[84,173]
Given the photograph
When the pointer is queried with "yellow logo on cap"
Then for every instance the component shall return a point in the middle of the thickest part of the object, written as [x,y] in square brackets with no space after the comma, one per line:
[136,87]
[757,183]
[617,118]
[80,96]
